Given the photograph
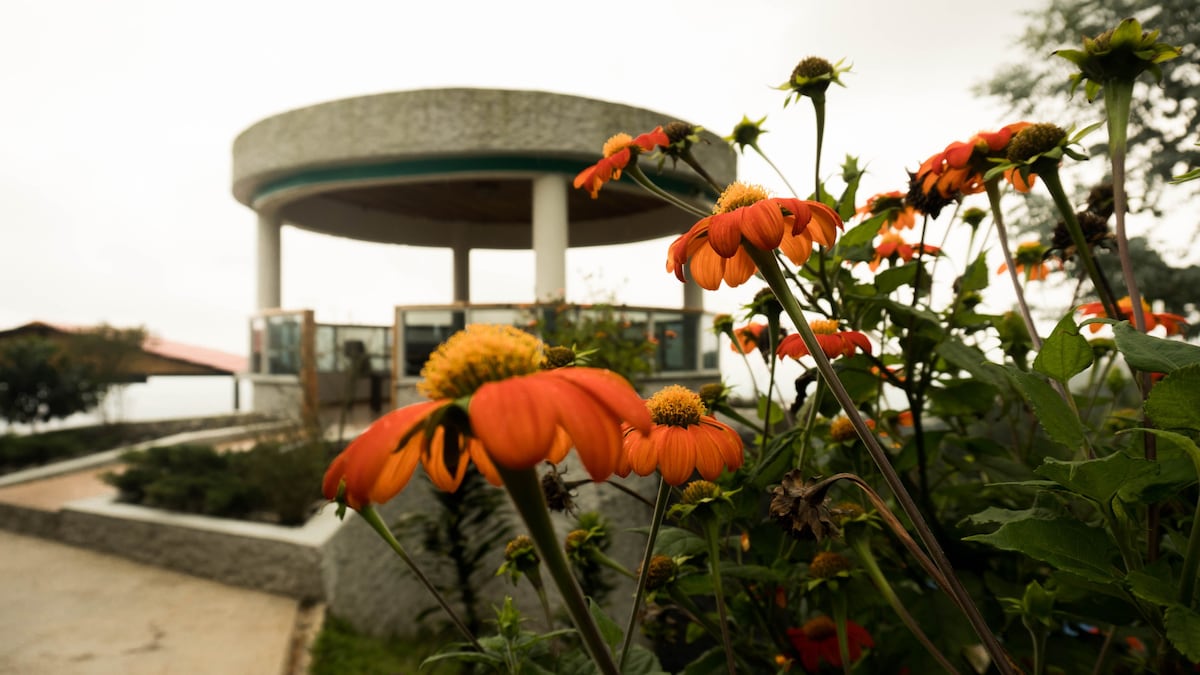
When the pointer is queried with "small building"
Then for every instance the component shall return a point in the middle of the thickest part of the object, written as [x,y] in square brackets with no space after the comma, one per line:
[458,169]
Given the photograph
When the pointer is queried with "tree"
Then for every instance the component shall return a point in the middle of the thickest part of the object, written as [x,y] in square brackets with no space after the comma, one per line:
[1165,120]
[39,381]
[108,353]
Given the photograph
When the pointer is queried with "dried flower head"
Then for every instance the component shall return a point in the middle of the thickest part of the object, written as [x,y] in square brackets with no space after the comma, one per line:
[801,509]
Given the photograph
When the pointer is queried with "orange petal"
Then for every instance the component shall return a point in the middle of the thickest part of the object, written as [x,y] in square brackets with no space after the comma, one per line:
[513,421]
[725,232]
[676,455]
[593,428]
[739,269]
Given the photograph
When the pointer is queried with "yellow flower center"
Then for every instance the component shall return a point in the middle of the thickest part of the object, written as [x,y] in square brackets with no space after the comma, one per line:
[842,429]
[738,195]
[827,565]
[699,490]
[823,326]
[616,144]
[479,354]
[676,406]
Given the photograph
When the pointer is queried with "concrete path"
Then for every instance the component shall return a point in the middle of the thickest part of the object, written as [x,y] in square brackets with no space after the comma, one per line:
[68,611]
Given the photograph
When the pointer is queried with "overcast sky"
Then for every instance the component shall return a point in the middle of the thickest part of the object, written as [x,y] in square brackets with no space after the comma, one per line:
[117,120]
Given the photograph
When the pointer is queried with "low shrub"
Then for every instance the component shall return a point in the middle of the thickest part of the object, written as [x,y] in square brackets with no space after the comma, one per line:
[271,482]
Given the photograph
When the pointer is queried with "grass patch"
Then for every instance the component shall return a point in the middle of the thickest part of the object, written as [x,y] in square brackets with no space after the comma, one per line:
[339,649]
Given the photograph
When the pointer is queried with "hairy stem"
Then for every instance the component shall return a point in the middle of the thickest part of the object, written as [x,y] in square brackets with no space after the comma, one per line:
[660,507]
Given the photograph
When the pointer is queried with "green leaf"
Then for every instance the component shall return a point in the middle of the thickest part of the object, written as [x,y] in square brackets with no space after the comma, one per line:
[997,515]
[1173,471]
[863,233]
[1183,630]
[1065,353]
[895,277]
[609,630]
[1152,354]
[676,541]
[963,397]
[1065,543]
[1174,403]
[642,661]
[1153,584]
[970,359]
[1097,479]
[776,409]
[1060,422]
[975,278]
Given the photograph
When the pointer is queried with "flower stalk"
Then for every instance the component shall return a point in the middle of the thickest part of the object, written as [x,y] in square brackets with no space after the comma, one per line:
[526,493]
[714,563]
[1048,171]
[774,277]
[660,508]
[373,519]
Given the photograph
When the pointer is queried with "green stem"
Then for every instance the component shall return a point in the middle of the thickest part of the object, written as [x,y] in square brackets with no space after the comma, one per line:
[818,101]
[690,159]
[526,493]
[776,169]
[1191,558]
[1118,96]
[993,193]
[862,548]
[806,433]
[660,508]
[640,178]
[714,564]
[775,279]
[1049,175]
[772,334]
[1038,636]
[535,578]
[690,607]
[839,623]
[373,519]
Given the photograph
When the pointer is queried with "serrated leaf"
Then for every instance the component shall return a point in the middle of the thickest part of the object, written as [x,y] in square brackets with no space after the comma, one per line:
[1174,403]
[999,516]
[1152,354]
[1065,352]
[1174,471]
[1183,630]
[863,233]
[1153,584]
[1060,422]
[776,409]
[1097,479]
[895,277]
[1067,544]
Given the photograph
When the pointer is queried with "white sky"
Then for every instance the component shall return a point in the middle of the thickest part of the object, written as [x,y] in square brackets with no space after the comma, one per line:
[117,120]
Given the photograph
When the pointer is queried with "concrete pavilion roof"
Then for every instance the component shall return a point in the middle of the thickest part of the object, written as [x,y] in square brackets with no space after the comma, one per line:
[440,167]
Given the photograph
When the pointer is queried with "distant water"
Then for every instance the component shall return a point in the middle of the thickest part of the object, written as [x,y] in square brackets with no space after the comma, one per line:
[158,398]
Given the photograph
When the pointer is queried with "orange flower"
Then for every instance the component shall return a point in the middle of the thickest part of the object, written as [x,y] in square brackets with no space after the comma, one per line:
[492,404]
[817,640]
[1029,261]
[893,248]
[683,440]
[618,151]
[900,216]
[746,216]
[1172,322]
[833,342]
[958,170]
[747,338]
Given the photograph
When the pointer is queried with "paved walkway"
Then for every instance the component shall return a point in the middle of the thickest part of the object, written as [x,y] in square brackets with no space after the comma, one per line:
[68,611]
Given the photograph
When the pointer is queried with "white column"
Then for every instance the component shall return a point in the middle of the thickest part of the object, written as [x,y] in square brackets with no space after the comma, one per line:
[269,296]
[462,273]
[549,236]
